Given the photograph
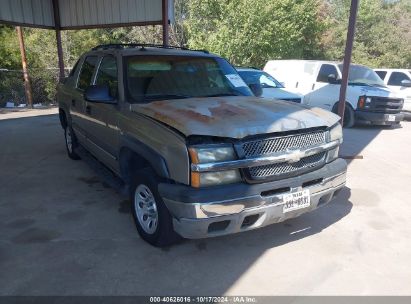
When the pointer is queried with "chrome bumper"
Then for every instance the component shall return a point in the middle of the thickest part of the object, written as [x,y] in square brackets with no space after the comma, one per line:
[250,206]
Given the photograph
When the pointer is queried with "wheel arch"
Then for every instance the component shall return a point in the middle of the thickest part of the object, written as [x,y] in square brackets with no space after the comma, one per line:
[335,106]
[135,155]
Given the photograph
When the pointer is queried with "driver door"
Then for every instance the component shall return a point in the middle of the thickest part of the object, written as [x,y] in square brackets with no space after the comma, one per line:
[324,94]
[103,131]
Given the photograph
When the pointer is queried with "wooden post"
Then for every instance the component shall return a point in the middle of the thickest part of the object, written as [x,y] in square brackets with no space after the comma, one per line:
[57,26]
[347,58]
[27,85]
[165,23]
[60,55]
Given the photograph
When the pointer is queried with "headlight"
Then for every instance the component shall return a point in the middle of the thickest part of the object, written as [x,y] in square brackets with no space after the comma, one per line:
[215,154]
[211,155]
[364,102]
[336,133]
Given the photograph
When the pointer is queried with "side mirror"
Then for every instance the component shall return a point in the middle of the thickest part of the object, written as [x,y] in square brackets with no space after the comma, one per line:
[99,93]
[332,78]
[256,88]
[406,83]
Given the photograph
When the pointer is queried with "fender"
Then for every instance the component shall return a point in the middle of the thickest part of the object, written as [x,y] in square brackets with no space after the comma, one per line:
[153,158]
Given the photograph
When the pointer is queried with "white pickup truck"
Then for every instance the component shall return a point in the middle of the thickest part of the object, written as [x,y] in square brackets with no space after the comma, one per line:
[369,100]
[399,80]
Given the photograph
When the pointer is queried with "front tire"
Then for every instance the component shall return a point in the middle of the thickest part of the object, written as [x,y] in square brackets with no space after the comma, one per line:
[153,221]
[71,143]
[349,115]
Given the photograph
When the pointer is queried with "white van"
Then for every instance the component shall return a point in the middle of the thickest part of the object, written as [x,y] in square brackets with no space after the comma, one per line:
[398,80]
[369,101]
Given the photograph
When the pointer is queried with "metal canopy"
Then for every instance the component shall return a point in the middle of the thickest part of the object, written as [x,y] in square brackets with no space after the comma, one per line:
[82,14]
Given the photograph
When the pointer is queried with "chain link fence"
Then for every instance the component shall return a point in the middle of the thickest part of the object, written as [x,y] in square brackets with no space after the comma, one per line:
[43,83]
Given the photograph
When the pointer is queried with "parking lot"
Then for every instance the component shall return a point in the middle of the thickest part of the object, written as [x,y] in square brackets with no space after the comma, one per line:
[64,231]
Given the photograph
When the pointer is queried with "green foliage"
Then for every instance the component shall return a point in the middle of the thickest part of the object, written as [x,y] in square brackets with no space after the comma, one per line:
[251,32]
[245,32]
[9,48]
[383,37]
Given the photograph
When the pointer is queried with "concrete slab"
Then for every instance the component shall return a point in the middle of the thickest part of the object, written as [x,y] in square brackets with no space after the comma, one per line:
[63,231]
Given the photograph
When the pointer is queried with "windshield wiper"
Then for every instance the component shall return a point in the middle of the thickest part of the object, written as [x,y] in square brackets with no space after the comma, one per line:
[359,83]
[223,94]
[165,96]
[367,84]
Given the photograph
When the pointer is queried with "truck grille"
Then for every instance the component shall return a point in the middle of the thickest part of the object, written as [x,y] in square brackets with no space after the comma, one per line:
[266,146]
[386,104]
[278,144]
[302,165]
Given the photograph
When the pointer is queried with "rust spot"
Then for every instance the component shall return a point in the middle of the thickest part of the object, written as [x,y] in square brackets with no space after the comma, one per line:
[194,115]
[227,110]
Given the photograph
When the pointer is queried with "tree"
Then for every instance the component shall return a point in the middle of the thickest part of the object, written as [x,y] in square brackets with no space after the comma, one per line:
[383,36]
[251,32]
[9,48]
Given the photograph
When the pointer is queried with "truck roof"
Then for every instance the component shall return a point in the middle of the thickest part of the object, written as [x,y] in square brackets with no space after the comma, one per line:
[150,49]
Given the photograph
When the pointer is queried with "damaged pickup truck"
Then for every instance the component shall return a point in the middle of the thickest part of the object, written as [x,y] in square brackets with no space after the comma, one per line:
[200,155]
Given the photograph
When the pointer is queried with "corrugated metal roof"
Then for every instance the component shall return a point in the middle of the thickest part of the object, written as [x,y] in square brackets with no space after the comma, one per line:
[83,13]
[27,12]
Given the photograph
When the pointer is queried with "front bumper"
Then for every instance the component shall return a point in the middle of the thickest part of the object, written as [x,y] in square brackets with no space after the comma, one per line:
[373,118]
[207,212]
[407,115]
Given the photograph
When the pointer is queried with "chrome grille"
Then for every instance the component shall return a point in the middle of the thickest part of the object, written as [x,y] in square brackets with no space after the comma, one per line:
[285,168]
[278,144]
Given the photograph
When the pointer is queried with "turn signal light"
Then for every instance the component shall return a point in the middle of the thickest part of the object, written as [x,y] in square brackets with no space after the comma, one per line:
[361,102]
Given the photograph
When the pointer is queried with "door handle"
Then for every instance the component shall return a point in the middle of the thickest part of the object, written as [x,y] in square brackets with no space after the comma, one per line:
[88,109]
[73,102]
[312,88]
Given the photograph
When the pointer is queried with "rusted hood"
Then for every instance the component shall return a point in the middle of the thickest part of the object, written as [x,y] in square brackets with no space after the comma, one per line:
[235,117]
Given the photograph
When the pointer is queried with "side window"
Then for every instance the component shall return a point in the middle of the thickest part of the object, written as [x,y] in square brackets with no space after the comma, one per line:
[381,74]
[74,69]
[107,74]
[396,78]
[86,73]
[325,70]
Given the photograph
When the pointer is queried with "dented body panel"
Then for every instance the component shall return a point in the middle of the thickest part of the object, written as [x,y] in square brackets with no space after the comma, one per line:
[234,116]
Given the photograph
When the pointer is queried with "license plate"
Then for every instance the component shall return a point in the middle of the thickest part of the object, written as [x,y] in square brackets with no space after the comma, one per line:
[391,117]
[296,200]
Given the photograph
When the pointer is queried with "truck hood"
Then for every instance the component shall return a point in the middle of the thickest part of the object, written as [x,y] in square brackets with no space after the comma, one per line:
[234,116]
[378,92]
